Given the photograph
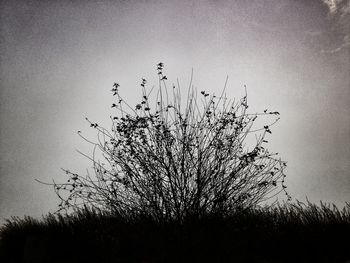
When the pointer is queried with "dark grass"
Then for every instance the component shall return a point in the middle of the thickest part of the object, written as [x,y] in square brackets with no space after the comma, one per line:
[288,233]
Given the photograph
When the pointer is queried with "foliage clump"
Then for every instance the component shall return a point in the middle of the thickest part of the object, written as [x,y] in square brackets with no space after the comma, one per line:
[176,159]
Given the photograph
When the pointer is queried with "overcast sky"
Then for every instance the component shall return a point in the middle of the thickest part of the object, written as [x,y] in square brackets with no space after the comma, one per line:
[59,60]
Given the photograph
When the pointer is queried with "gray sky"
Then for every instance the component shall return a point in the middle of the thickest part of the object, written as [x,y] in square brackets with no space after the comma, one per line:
[60,58]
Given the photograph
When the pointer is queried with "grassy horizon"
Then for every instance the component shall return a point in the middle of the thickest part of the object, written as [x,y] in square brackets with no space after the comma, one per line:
[280,233]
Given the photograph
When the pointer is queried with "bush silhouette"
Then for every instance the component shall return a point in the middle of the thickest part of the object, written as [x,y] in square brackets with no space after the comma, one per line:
[177,159]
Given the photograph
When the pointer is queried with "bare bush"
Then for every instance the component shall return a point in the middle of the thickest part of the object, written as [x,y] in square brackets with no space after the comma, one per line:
[177,159]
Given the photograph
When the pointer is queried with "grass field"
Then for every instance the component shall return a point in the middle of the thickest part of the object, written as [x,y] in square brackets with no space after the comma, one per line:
[285,233]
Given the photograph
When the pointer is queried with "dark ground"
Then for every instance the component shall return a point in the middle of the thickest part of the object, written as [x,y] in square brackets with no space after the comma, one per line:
[309,234]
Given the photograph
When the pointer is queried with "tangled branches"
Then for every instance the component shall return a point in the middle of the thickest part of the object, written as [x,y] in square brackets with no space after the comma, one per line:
[176,158]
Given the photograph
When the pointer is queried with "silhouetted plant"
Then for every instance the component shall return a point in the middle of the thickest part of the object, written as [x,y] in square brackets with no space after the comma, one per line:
[177,159]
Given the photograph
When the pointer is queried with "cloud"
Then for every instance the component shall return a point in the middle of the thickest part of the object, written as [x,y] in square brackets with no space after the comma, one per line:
[332,5]
[339,13]
[345,44]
